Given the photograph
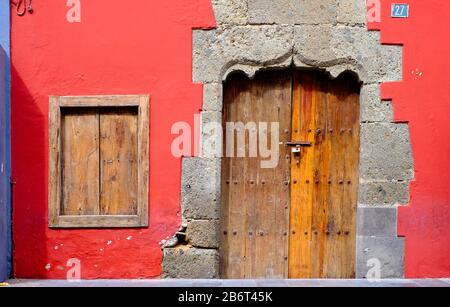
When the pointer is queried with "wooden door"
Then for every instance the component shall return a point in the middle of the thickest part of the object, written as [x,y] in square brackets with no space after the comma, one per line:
[255,208]
[324,185]
[297,219]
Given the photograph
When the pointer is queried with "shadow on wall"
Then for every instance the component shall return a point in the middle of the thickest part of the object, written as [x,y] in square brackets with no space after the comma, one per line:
[5,245]
[72,59]
[34,184]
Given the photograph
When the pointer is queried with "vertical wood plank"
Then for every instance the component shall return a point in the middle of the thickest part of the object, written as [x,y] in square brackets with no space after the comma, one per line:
[333,247]
[350,101]
[303,121]
[282,173]
[245,111]
[319,180]
[80,162]
[143,158]
[119,160]
[225,191]
[54,161]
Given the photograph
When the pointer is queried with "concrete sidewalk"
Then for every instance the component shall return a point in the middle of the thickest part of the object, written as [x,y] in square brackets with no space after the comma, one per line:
[232,283]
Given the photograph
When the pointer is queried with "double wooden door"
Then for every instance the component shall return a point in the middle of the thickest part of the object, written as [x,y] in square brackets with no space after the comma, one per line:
[298,218]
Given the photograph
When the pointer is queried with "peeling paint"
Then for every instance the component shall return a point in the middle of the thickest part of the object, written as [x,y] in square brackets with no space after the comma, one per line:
[416,74]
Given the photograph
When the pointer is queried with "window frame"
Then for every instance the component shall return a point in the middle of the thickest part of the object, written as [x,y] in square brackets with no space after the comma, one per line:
[55,219]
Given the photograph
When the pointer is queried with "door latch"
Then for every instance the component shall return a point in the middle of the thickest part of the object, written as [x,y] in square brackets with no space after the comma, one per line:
[297,148]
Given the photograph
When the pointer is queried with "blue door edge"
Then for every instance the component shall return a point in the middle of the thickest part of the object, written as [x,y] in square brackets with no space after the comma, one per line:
[5,143]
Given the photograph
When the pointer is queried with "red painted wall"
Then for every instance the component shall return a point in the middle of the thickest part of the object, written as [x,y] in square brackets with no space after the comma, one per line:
[119,47]
[423,100]
[146,47]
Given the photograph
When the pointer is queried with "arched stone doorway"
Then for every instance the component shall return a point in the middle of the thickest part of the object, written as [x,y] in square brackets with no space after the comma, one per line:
[257,35]
[289,175]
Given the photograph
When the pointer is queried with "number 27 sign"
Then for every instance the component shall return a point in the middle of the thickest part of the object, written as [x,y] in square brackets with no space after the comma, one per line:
[400,10]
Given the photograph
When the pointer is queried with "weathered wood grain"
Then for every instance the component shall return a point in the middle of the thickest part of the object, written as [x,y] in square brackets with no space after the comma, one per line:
[255,199]
[323,207]
[76,155]
[80,162]
[118,161]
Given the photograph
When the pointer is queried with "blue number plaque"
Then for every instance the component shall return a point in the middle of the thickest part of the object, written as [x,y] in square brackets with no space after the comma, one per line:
[400,10]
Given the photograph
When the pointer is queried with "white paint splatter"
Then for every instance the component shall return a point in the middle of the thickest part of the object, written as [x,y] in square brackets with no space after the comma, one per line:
[48,266]
[129,238]
[416,74]
[109,242]
[56,247]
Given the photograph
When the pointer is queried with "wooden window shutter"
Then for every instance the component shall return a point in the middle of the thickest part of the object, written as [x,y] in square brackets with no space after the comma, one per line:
[98,161]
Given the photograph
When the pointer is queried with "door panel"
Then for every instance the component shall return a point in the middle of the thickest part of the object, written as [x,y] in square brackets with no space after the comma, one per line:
[255,208]
[324,184]
[296,220]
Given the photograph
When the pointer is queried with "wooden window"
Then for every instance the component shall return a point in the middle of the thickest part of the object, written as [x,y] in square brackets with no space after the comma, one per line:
[98,161]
